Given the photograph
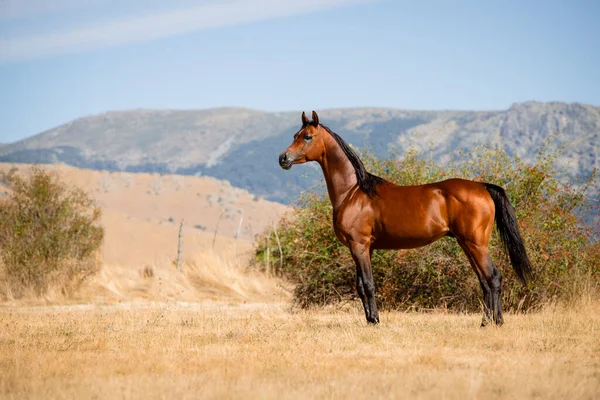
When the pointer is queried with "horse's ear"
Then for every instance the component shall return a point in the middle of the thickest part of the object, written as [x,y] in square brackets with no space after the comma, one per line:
[305,120]
[315,120]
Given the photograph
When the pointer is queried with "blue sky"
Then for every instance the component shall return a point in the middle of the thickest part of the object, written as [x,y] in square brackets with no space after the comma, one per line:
[65,59]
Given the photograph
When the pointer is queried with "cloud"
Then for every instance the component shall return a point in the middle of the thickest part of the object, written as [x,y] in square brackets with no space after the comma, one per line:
[138,29]
[22,9]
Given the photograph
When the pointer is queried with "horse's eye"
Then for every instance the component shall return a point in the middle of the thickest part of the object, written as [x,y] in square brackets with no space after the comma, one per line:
[307,137]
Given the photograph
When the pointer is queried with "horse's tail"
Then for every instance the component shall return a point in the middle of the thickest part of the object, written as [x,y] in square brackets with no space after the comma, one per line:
[506,223]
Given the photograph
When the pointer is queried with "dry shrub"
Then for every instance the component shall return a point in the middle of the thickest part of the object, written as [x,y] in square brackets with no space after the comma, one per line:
[49,234]
[561,246]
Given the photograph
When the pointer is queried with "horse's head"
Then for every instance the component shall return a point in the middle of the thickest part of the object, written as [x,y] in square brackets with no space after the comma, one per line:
[308,144]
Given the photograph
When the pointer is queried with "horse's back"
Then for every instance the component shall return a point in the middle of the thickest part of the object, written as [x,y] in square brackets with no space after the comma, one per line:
[462,190]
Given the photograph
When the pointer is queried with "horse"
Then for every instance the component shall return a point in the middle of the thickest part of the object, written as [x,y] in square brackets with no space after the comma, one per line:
[371,213]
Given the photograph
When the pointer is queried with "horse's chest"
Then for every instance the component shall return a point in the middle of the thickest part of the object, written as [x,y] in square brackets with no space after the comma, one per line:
[352,225]
[340,233]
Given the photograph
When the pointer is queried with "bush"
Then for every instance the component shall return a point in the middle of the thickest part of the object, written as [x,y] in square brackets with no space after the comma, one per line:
[49,233]
[565,259]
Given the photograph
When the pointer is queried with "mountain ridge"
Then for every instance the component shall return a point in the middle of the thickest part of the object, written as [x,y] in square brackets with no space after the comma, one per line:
[241,144]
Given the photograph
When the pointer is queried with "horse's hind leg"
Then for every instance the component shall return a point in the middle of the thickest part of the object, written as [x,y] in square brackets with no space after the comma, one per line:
[496,283]
[490,280]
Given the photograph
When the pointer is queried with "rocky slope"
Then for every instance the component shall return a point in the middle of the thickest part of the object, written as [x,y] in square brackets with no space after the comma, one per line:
[241,145]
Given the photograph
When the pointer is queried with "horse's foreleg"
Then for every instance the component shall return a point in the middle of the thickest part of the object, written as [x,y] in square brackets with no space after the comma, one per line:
[360,288]
[364,275]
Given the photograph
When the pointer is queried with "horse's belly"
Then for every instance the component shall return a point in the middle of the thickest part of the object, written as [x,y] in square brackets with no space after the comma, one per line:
[402,240]
[389,244]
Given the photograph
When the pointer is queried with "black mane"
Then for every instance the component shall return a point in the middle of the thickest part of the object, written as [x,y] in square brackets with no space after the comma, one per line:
[366,181]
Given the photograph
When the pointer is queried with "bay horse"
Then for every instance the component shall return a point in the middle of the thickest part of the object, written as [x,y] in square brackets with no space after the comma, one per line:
[370,213]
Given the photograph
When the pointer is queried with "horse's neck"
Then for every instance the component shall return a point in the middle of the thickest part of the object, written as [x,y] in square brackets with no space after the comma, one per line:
[338,171]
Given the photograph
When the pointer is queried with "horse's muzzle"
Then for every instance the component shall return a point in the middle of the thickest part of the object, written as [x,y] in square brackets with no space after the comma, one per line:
[285,162]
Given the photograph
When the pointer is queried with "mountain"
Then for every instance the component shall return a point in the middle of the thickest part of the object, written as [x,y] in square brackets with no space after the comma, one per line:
[242,145]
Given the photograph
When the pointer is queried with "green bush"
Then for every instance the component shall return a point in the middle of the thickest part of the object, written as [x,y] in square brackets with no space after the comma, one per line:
[49,233]
[565,259]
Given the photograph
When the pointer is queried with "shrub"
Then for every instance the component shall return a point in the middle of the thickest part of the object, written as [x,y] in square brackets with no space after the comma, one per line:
[565,259]
[49,233]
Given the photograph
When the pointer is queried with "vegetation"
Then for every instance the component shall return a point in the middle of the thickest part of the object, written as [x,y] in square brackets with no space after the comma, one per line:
[49,234]
[561,247]
[243,349]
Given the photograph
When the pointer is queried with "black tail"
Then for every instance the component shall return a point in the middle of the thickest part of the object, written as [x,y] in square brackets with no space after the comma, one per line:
[506,222]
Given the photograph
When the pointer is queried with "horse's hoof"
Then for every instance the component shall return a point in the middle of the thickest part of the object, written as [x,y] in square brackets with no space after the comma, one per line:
[487,321]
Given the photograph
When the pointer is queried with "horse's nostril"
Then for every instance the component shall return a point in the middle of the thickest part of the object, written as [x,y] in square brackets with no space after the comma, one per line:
[285,162]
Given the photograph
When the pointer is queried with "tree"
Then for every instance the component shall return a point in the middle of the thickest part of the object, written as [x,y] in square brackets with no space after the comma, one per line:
[49,233]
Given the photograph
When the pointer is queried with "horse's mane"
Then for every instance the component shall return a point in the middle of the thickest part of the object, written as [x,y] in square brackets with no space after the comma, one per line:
[366,181]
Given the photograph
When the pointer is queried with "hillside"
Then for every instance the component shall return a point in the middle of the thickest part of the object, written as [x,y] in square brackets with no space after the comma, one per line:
[241,145]
[143,211]
[141,214]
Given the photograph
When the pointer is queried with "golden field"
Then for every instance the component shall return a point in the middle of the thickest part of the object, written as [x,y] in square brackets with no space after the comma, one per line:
[141,330]
[216,350]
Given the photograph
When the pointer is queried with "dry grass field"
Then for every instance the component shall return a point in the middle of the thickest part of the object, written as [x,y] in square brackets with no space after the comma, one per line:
[142,330]
[215,350]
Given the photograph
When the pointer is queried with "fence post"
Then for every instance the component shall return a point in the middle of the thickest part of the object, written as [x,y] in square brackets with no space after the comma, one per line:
[180,246]
[217,229]
[237,235]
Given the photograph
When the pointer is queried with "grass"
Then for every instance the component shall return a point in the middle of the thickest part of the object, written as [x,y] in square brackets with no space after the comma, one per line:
[217,349]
